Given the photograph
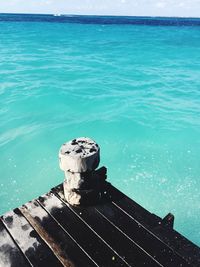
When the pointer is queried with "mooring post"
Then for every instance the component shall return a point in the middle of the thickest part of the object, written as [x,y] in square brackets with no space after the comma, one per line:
[78,159]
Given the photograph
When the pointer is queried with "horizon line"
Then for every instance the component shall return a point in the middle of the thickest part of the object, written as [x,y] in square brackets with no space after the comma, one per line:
[99,15]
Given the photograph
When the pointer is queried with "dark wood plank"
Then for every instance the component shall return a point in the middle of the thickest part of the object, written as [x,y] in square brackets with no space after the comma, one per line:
[182,246]
[10,254]
[63,244]
[135,229]
[130,251]
[142,215]
[27,239]
[141,235]
[84,235]
[186,249]
[116,232]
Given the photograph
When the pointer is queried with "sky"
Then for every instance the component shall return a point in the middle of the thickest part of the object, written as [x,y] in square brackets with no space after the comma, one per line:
[180,8]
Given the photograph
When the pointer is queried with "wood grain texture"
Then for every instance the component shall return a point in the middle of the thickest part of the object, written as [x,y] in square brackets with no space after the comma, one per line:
[10,254]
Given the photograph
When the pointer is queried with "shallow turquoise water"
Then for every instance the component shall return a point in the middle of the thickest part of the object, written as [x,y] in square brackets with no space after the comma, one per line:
[134,89]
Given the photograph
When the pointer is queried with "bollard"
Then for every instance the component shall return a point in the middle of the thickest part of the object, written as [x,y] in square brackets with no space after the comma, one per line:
[79,159]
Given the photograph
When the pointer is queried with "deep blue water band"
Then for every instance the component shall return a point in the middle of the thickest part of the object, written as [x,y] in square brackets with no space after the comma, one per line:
[88,19]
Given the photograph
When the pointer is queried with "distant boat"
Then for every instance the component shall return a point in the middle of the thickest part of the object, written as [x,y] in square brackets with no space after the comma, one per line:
[57,15]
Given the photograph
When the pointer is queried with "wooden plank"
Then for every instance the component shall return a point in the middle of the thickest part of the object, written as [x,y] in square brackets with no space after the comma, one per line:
[55,247]
[66,248]
[135,230]
[112,194]
[142,215]
[84,235]
[35,250]
[130,251]
[186,249]
[182,246]
[10,254]
[117,232]
[141,235]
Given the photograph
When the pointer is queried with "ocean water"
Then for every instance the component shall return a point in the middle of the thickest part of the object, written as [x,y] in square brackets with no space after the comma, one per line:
[131,84]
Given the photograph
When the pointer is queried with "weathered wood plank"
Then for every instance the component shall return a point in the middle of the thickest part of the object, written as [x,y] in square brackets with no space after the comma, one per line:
[183,247]
[130,251]
[44,235]
[116,232]
[131,207]
[186,249]
[112,194]
[66,248]
[10,254]
[29,241]
[145,238]
[141,235]
[84,235]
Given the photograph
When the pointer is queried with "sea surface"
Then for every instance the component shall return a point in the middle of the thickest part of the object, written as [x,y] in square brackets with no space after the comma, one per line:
[130,83]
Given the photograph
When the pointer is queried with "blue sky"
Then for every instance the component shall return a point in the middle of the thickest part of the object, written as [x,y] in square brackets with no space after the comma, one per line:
[188,8]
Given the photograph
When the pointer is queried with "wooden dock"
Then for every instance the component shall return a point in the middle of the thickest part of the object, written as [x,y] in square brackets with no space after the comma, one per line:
[116,232]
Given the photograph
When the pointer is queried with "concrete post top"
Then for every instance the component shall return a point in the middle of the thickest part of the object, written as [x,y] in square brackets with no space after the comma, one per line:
[79,155]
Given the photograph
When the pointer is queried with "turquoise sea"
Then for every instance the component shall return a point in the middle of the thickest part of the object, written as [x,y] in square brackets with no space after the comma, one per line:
[131,84]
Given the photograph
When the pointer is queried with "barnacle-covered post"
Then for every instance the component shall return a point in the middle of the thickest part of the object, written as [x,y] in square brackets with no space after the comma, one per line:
[78,159]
